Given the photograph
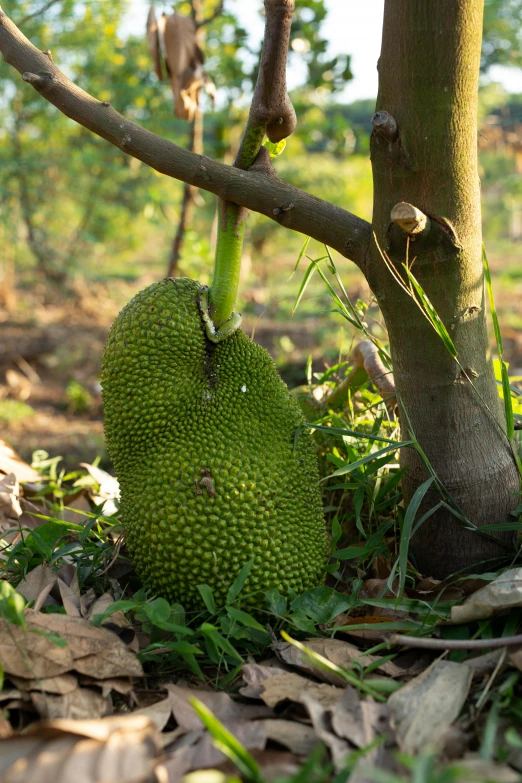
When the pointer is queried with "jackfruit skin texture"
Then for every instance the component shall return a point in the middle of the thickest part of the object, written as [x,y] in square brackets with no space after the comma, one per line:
[203,439]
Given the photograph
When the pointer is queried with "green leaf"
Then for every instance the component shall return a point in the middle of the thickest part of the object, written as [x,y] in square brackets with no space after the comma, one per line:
[351,552]
[301,254]
[275,601]
[306,279]
[11,604]
[508,402]
[431,314]
[275,149]
[224,741]
[55,638]
[407,526]
[220,642]
[208,598]
[123,606]
[494,316]
[244,618]
[157,611]
[322,604]
[351,466]
[355,434]
[239,583]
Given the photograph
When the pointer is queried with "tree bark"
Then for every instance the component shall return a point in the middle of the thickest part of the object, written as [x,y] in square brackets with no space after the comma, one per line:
[424,152]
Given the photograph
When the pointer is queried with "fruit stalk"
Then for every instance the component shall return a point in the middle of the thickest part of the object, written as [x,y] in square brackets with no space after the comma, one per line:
[271,114]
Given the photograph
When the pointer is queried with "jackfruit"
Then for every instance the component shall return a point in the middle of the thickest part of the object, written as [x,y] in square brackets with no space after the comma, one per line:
[214,464]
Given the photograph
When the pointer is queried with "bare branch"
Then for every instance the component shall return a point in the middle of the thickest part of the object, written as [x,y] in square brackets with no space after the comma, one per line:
[271,111]
[330,224]
[41,10]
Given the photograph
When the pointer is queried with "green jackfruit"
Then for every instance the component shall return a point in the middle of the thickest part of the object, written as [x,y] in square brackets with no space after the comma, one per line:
[213,464]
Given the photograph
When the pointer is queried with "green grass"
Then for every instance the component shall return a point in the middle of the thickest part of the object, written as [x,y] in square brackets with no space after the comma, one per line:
[12,411]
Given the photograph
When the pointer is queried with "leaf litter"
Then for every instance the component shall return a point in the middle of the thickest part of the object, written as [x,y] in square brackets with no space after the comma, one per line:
[99,677]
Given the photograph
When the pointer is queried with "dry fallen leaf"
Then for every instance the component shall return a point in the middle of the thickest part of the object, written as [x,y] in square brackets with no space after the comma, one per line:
[61,684]
[119,749]
[338,747]
[81,704]
[297,737]
[109,488]
[159,712]
[10,462]
[505,592]
[423,709]
[338,652]
[219,703]
[10,509]
[478,770]
[96,652]
[36,580]
[287,686]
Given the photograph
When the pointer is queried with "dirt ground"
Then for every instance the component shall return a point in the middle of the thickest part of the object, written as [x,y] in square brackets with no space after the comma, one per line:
[50,360]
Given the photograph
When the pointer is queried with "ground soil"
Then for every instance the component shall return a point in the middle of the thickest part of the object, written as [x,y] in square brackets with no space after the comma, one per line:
[43,347]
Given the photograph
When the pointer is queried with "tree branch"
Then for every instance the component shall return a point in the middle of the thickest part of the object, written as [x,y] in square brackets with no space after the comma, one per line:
[329,224]
[41,10]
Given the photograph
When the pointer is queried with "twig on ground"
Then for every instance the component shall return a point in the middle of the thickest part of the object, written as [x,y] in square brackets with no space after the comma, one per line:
[452,644]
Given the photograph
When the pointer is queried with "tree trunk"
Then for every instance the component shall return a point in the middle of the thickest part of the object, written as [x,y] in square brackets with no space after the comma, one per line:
[428,84]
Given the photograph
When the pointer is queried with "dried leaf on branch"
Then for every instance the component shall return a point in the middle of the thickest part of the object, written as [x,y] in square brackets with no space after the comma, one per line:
[173,44]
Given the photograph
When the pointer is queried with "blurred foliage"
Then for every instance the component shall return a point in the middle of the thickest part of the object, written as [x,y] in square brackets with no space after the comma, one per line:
[72,207]
[502,44]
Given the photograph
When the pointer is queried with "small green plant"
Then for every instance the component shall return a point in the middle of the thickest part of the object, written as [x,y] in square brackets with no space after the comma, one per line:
[12,411]
[78,398]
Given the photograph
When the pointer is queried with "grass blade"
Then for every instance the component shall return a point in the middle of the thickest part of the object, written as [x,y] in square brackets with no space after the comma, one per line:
[227,743]
[494,316]
[368,458]
[407,526]
[323,663]
[431,314]
[508,402]
[304,283]
[301,254]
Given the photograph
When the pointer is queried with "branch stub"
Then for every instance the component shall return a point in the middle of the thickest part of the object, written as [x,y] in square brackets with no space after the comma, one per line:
[410,219]
[384,124]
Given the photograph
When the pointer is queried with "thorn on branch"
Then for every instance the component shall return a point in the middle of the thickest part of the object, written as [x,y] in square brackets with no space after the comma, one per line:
[384,124]
[106,103]
[410,219]
[38,80]
[48,54]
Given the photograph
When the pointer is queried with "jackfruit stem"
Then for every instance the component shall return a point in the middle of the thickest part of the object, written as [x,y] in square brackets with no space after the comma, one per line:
[227,261]
[271,112]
